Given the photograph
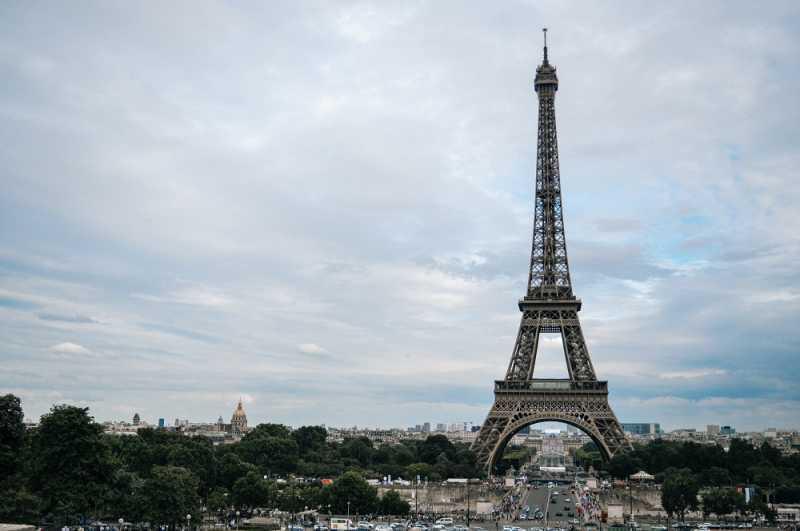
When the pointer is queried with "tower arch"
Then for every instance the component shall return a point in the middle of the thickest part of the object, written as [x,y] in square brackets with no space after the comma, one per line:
[528,420]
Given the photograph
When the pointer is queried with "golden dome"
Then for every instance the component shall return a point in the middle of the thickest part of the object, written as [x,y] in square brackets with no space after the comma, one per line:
[239,413]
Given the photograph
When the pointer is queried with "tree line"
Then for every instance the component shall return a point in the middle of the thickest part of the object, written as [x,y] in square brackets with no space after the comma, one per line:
[708,477]
[713,466]
[68,471]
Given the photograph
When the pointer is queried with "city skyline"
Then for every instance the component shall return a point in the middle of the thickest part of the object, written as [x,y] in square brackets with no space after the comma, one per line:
[326,210]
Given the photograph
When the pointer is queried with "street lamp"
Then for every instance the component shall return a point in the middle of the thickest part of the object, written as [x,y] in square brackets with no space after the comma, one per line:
[237,519]
[121,521]
[348,515]
[188,521]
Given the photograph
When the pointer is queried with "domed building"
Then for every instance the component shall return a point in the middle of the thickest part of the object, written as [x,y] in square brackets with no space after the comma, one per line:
[239,420]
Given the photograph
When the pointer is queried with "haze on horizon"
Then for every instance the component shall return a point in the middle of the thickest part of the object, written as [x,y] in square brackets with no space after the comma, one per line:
[325,208]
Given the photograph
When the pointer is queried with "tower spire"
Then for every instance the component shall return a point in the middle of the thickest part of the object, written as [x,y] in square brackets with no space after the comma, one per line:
[544,31]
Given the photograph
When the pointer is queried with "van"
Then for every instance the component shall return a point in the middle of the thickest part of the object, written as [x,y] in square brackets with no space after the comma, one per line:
[341,524]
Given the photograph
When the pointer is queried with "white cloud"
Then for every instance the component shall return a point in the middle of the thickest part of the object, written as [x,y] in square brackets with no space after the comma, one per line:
[311,348]
[69,348]
[692,374]
[193,296]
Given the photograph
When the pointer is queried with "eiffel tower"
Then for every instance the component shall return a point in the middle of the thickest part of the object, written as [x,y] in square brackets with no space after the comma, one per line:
[549,307]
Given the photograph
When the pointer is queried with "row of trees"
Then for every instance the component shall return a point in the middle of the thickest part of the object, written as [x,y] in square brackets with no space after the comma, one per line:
[67,469]
[681,492]
[711,465]
[696,476]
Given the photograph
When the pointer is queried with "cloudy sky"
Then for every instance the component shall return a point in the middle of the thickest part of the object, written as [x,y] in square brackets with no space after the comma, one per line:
[325,208]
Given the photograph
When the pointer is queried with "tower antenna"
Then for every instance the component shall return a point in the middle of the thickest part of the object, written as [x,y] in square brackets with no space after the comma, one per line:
[544,30]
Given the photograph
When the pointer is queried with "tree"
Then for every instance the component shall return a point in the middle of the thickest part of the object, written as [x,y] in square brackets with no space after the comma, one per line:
[169,495]
[787,494]
[358,450]
[716,477]
[231,468]
[12,435]
[419,470]
[70,464]
[251,491]
[218,500]
[721,501]
[271,448]
[432,447]
[17,504]
[679,493]
[123,496]
[351,487]
[310,438]
[393,504]
[759,507]
[765,475]
[622,465]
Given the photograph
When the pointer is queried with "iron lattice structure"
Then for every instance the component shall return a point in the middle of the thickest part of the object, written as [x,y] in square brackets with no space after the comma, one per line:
[549,307]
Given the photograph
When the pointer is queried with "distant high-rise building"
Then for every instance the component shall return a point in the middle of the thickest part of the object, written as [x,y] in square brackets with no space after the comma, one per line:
[712,429]
[239,420]
[642,428]
[426,427]
[441,426]
[161,423]
[136,419]
[727,430]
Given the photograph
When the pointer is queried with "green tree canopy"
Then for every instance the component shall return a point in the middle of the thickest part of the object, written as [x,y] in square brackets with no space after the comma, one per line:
[679,492]
[12,435]
[722,501]
[71,463]
[310,438]
[252,491]
[350,487]
[393,504]
[169,495]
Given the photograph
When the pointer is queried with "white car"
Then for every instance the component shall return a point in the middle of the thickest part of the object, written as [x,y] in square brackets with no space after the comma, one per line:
[445,521]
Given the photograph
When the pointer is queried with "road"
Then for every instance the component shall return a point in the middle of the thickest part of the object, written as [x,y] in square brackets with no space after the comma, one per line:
[556,507]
